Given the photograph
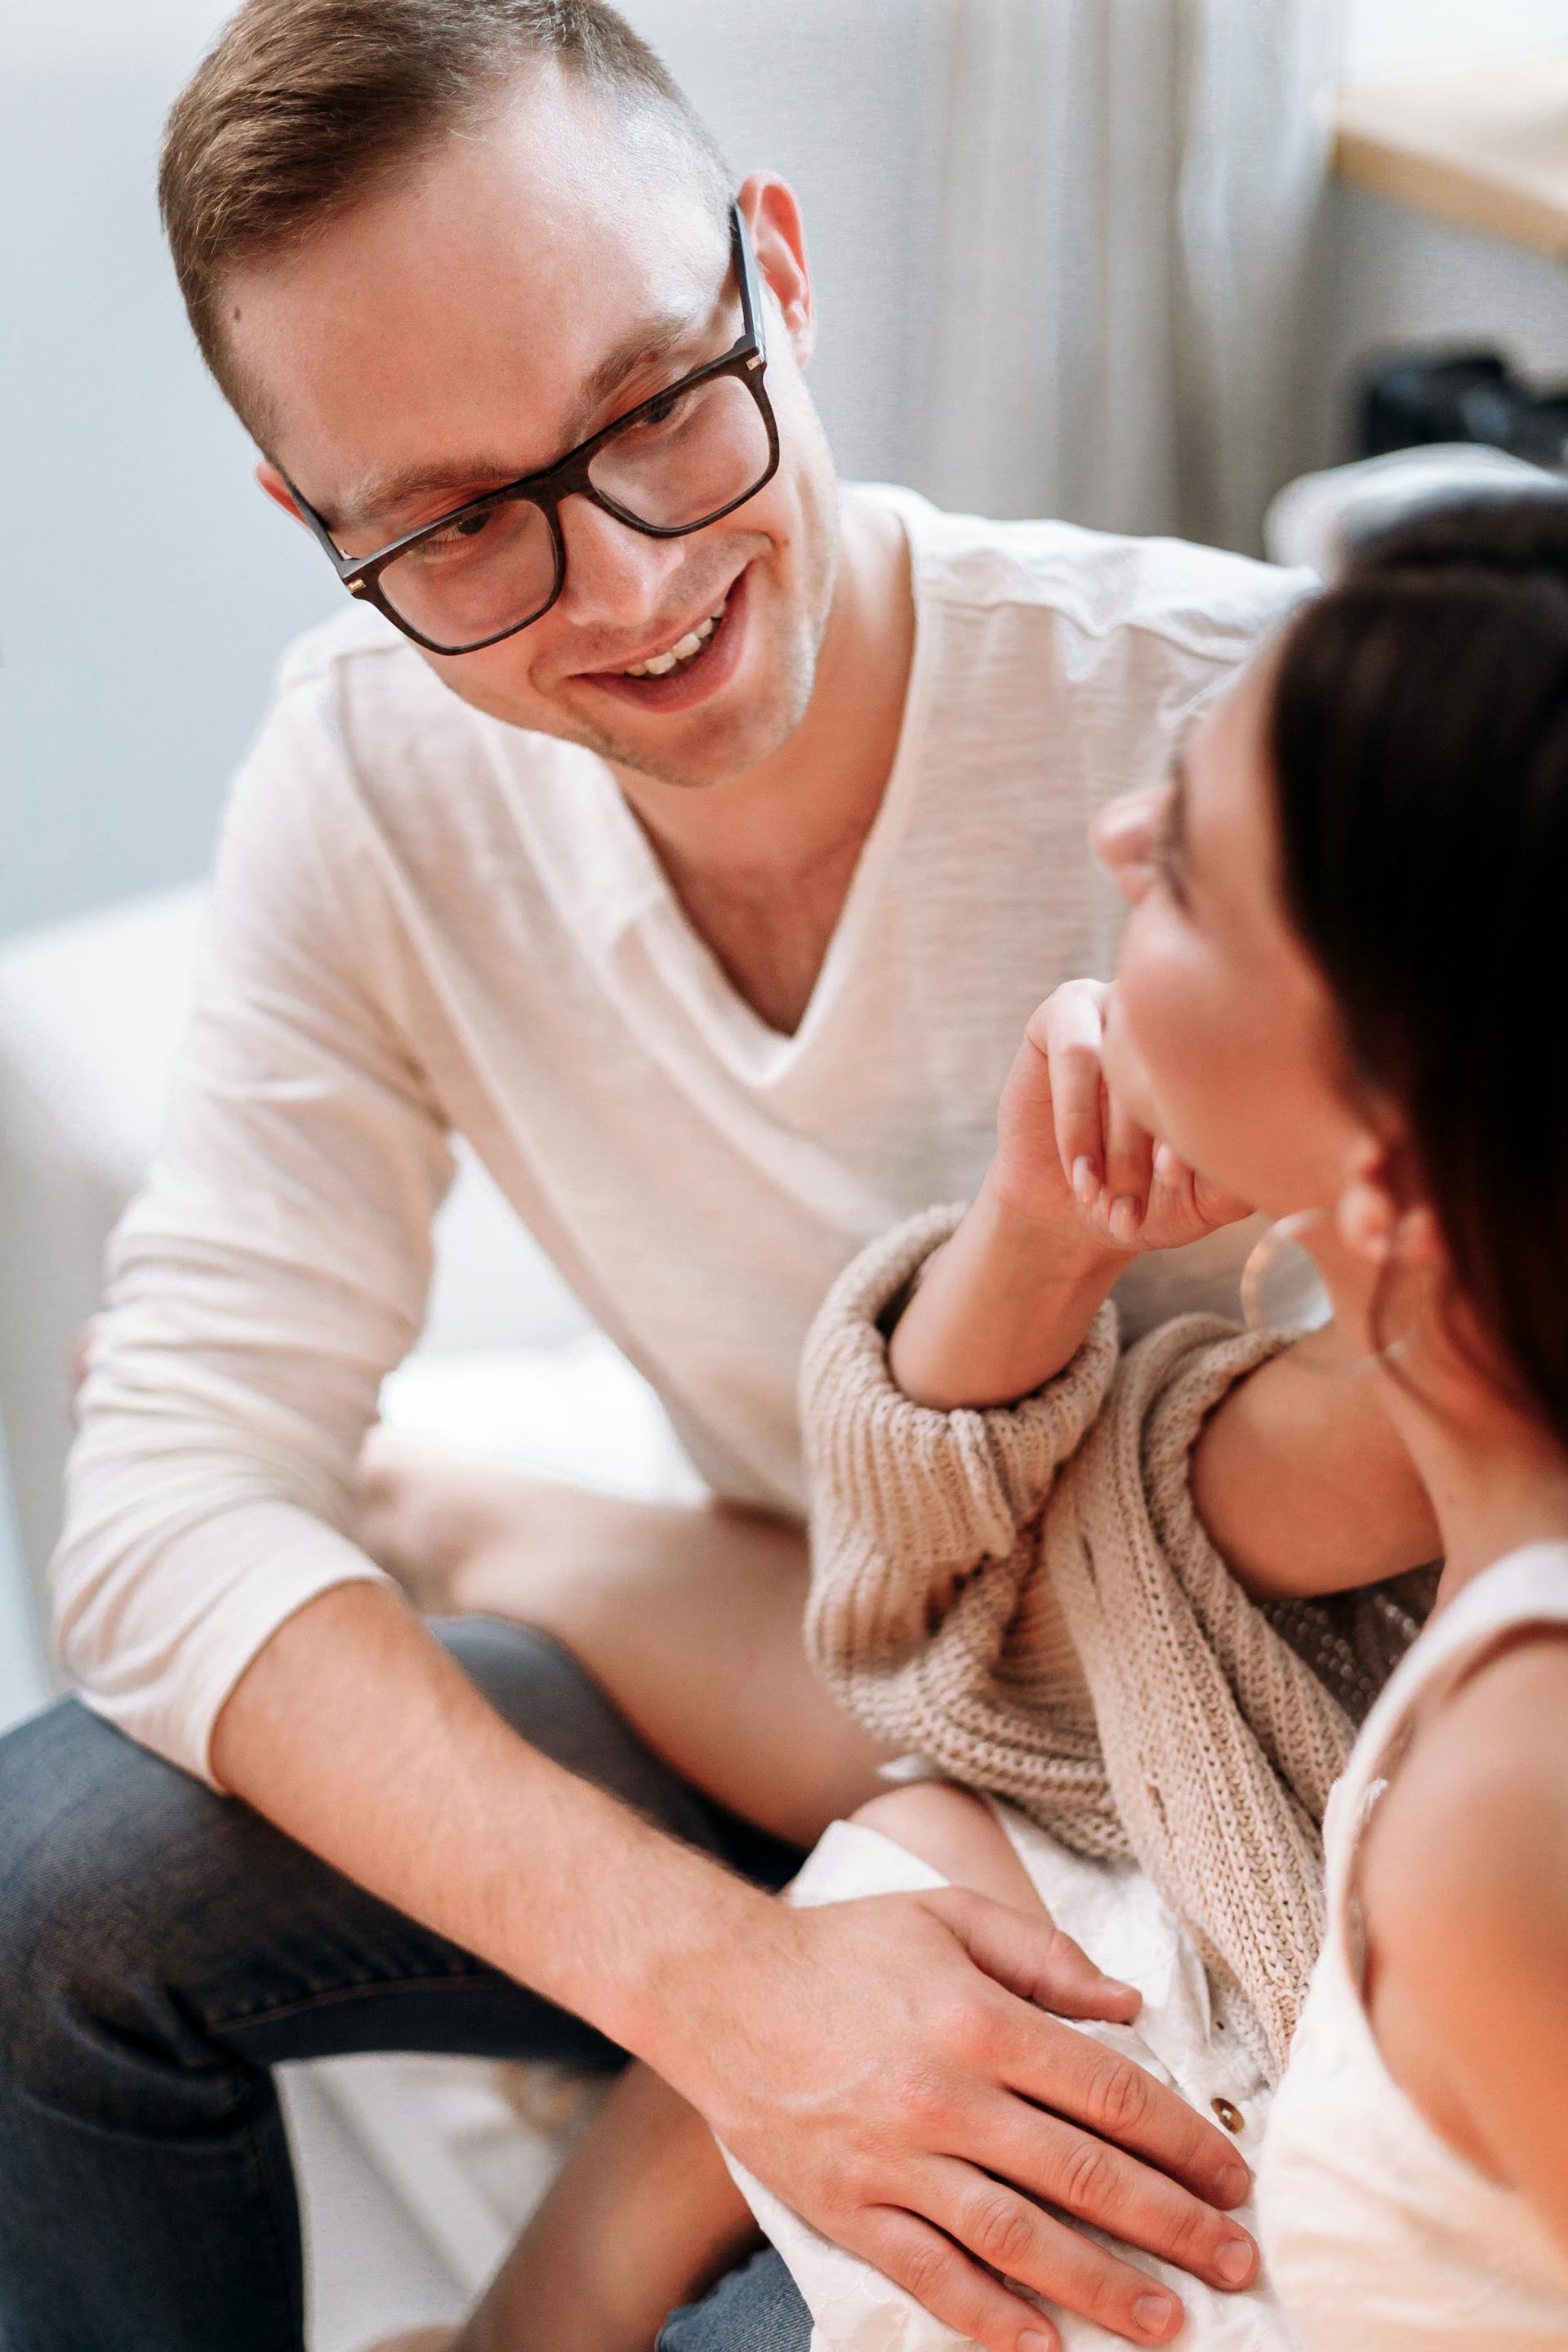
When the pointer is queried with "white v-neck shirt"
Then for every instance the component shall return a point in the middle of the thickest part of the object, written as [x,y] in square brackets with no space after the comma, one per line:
[425,922]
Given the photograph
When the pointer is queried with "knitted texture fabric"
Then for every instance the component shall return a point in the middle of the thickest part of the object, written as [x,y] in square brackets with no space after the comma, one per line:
[1025,1596]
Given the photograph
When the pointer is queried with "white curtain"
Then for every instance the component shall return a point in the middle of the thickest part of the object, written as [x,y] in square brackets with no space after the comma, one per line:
[1128,189]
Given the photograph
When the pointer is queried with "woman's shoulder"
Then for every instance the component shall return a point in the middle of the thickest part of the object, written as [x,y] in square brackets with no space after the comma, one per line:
[1464,1888]
[1479,1801]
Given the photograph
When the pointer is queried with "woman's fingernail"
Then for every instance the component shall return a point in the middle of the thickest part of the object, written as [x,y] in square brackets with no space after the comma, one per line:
[1124,1218]
[1164,1160]
[1234,2260]
[1234,2184]
[1085,1180]
[1153,2314]
[1032,2340]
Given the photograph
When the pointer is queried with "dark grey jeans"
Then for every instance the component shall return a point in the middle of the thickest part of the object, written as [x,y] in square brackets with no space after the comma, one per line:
[162,1949]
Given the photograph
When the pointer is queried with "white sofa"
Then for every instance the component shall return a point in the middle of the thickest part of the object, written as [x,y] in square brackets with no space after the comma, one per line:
[90,1012]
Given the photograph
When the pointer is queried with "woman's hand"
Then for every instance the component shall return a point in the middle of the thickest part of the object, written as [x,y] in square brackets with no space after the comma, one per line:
[1070,1158]
[1077,1189]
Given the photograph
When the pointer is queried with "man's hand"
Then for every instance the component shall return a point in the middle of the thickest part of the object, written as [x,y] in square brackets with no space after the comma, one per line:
[1071,1159]
[900,2081]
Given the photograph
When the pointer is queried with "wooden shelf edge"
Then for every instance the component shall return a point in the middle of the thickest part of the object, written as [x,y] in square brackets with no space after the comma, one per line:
[1449,191]
[1485,148]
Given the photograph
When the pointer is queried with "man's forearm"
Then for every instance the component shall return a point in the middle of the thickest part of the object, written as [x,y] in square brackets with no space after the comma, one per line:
[1303,1482]
[355,1733]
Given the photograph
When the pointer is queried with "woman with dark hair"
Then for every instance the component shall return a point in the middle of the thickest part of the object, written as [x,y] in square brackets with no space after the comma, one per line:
[1340,997]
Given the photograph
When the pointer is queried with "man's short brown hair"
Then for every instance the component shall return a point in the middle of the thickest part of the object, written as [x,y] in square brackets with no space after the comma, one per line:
[303,107]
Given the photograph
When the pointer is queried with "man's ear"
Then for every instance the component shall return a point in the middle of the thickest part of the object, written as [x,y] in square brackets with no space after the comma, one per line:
[277,488]
[778,237]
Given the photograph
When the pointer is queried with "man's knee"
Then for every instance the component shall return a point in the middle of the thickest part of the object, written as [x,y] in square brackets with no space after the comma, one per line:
[535,1682]
[93,1828]
[757,2309]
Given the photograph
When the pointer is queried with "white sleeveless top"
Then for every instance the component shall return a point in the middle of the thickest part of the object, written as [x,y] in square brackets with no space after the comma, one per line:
[1379,2237]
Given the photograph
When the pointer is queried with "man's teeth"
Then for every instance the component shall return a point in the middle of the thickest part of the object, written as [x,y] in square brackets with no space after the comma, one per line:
[691,643]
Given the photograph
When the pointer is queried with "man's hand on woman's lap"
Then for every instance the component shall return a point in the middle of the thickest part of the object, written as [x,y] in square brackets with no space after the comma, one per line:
[900,2082]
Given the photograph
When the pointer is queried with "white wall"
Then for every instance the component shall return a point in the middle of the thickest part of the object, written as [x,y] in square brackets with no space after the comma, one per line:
[1388,38]
[144,595]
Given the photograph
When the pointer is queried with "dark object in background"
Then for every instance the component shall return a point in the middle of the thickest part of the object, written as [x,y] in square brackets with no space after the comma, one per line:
[1415,397]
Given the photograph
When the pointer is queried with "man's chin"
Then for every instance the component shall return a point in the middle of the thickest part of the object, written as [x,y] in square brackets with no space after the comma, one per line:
[728,752]
[710,745]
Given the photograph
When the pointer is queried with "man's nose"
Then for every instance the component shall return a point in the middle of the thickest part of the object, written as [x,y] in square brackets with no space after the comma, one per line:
[1124,835]
[613,572]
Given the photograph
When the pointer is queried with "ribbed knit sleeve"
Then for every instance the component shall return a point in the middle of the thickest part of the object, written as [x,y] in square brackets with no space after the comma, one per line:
[926,1616]
[1026,1597]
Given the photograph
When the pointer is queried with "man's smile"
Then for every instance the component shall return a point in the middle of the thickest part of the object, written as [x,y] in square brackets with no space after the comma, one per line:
[682,668]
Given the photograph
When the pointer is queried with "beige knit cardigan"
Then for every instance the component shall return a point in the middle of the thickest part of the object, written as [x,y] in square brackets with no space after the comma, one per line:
[1025,1597]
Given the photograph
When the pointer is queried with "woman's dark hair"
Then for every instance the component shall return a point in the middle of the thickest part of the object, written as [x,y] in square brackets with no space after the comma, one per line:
[1419,742]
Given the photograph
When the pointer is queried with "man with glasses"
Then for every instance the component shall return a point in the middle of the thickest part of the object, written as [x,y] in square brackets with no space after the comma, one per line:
[695,840]
[701,447]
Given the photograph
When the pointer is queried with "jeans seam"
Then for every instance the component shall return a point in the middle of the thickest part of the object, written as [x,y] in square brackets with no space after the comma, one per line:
[267,2191]
[454,1980]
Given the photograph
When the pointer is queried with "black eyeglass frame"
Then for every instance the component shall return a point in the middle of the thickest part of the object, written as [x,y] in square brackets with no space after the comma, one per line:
[746,358]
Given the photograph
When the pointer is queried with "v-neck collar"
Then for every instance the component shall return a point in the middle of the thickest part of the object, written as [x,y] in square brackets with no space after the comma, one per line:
[643,901]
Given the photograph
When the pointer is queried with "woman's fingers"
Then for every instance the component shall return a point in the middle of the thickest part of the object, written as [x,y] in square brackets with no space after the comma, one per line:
[1069,1027]
[1129,1172]
[1172,1202]
[1214,1207]
[1128,1193]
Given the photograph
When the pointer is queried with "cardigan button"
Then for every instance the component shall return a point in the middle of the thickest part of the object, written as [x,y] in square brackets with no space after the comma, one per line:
[1230,2116]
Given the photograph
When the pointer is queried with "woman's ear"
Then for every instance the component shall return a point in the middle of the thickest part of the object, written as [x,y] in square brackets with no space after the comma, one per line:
[1365,1219]
[1377,1216]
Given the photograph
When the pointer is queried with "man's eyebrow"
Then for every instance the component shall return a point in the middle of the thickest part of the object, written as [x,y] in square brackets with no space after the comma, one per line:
[652,339]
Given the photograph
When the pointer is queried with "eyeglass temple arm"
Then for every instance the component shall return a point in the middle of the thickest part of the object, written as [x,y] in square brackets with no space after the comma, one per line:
[751,326]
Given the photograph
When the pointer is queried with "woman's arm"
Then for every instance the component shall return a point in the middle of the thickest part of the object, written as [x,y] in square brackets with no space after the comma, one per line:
[1303,1484]
[1299,1474]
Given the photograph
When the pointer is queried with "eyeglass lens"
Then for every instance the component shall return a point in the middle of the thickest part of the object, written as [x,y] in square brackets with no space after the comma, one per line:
[676,466]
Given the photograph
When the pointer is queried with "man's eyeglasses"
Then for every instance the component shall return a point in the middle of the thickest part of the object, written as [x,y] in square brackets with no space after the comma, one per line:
[694,452]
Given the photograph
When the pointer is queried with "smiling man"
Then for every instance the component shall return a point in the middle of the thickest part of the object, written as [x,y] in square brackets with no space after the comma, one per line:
[695,839]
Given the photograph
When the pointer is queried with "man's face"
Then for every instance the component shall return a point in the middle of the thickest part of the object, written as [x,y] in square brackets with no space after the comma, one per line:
[535,280]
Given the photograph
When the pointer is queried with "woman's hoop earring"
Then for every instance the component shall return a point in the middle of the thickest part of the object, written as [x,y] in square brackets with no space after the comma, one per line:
[1283,1290]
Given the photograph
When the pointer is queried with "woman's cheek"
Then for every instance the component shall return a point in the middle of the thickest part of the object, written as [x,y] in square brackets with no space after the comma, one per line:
[1126,1073]
[1167,1050]
[1150,1032]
